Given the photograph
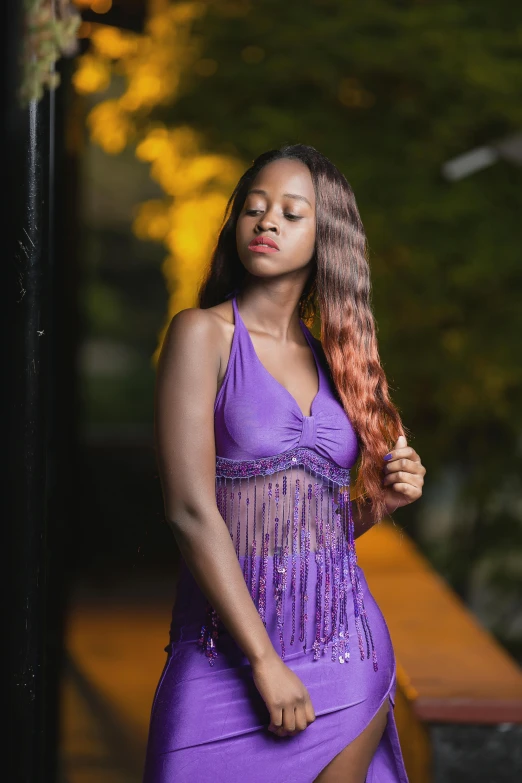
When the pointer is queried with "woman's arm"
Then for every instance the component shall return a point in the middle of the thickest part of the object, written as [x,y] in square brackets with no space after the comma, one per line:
[184,432]
[186,387]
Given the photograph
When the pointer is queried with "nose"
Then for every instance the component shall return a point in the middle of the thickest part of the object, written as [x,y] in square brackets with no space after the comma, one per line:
[267,222]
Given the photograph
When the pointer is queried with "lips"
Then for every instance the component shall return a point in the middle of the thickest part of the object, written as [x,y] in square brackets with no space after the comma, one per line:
[263,245]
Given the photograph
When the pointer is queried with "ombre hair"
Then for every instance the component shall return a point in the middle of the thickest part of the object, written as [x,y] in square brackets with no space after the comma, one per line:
[338,291]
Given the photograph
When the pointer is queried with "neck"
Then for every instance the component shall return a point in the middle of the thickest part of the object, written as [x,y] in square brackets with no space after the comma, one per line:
[271,308]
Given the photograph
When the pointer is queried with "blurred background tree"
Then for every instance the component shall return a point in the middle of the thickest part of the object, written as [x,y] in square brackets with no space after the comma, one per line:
[389,91]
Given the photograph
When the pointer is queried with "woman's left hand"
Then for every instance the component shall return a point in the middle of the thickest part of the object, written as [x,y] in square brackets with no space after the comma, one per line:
[403,476]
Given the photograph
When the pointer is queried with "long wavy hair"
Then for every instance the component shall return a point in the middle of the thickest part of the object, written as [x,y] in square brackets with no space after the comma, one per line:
[338,291]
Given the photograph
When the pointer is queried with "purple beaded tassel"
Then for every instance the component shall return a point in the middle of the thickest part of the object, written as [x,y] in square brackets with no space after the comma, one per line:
[253,583]
[209,634]
[319,560]
[344,636]
[293,579]
[280,566]
[327,628]
[247,559]
[361,618]
[305,563]
[336,588]
[265,539]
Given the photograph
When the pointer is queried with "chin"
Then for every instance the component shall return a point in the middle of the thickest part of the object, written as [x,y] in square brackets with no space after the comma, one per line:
[262,266]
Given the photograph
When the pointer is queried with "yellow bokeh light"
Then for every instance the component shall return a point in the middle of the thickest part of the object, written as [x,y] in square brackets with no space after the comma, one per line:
[92,75]
[114,43]
[153,145]
[110,127]
[101,6]
[152,221]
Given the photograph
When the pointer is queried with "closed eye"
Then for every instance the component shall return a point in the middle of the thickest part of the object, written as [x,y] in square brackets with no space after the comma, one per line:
[288,215]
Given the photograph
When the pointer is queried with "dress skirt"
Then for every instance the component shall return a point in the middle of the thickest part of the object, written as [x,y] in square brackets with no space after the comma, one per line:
[210,723]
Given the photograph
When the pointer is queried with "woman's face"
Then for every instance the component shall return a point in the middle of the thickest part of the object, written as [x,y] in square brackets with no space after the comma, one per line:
[275,231]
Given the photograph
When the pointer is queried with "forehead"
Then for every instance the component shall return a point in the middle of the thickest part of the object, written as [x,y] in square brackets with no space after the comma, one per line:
[286,176]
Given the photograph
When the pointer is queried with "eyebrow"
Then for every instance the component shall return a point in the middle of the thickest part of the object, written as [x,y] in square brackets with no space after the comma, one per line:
[286,195]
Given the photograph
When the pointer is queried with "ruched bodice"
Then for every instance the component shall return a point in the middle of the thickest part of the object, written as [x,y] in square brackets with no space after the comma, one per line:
[255,416]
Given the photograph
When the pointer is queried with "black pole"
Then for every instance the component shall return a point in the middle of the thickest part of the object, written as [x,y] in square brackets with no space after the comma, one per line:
[62,413]
[26,294]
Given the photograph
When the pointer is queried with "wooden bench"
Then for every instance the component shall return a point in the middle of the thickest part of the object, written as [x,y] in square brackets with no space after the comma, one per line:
[459,696]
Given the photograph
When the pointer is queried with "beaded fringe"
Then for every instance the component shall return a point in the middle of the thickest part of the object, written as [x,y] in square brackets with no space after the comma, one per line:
[273,507]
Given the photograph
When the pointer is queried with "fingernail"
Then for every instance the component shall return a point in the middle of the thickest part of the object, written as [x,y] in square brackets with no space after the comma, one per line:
[388,457]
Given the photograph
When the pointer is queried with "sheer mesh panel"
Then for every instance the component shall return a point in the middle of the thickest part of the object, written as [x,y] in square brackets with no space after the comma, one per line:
[293,511]
[290,521]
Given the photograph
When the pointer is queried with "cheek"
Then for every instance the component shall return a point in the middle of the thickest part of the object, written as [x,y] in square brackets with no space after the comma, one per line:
[244,227]
[305,243]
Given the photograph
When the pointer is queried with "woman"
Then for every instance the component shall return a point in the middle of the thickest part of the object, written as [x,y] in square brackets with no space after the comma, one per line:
[280,665]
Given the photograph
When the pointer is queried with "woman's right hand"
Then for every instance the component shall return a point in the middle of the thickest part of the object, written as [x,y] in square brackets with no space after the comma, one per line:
[285,696]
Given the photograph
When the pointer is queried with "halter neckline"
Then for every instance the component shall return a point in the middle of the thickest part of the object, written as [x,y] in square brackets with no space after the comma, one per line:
[308,336]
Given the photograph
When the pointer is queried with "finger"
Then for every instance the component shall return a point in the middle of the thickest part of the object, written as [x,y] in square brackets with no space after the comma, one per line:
[407,452]
[404,464]
[289,719]
[301,721]
[402,477]
[277,730]
[276,720]
[401,442]
[410,492]
[309,710]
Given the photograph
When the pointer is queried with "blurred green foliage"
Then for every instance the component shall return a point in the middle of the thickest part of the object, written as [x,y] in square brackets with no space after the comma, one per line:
[390,91]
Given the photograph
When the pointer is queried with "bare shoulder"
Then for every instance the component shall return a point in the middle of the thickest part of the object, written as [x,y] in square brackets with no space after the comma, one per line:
[197,324]
[224,316]
[202,333]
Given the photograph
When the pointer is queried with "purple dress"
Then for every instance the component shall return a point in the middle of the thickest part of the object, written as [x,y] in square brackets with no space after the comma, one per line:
[282,488]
